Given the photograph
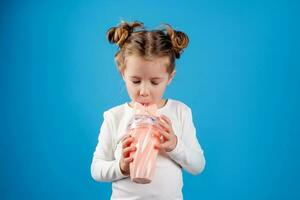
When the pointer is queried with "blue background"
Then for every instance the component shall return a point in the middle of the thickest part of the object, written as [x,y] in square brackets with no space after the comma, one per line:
[240,76]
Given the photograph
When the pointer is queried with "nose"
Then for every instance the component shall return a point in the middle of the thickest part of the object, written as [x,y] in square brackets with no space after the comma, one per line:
[144,90]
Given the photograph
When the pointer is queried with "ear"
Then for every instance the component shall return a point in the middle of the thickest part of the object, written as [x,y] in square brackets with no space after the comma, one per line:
[171,76]
[123,75]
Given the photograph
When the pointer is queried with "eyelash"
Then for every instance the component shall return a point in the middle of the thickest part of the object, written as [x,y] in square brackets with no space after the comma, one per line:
[137,82]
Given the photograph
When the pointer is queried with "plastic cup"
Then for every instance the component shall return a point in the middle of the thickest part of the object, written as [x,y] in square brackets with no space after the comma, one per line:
[145,131]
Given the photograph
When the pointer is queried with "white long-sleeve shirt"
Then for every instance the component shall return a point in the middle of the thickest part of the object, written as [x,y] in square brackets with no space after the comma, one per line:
[167,182]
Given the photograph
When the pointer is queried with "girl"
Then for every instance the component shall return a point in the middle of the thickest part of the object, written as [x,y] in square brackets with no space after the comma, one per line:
[146,62]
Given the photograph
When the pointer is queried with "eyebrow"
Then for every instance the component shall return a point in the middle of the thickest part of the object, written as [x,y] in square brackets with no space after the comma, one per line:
[154,78]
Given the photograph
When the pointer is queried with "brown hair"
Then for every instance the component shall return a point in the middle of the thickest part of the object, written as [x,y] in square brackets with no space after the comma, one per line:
[133,39]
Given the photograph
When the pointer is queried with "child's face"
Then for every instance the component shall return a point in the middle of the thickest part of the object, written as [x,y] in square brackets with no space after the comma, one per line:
[145,80]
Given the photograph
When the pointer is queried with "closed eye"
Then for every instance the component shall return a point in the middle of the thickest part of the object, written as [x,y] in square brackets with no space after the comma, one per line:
[154,83]
[136,82]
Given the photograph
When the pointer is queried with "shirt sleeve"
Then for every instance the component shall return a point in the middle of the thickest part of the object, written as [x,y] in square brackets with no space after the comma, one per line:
[188,152]
[104,166]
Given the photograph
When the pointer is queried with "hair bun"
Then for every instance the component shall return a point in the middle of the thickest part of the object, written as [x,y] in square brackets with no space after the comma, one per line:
[120,33]
[179,40]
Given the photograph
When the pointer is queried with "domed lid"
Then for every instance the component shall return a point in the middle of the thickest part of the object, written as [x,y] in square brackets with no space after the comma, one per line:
[145,110]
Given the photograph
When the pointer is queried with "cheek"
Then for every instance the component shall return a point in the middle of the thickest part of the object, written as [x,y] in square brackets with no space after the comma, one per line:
[132,90]
[160,90]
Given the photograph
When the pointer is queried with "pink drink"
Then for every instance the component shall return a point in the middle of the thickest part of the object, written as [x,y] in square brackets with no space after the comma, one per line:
[146,133]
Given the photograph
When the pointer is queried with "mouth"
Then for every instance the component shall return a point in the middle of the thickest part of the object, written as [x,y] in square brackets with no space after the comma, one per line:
[144,104]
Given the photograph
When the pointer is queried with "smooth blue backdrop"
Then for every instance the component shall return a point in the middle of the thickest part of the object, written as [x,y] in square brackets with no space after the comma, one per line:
[240,76]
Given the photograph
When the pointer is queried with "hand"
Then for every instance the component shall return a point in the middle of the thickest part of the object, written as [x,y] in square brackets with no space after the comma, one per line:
[126,159]
[168,140]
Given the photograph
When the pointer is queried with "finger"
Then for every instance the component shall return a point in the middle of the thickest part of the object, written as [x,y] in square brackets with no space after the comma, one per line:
[166,135]
[161,146]
[157,146]
[168,126]
[128,160]
[127,141]
[125,137]
[165,126]
[128,150]
[161,139]
[164,117]
[160,119]
[165,121]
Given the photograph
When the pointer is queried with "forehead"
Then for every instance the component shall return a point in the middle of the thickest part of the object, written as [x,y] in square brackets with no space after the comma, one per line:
[140,67]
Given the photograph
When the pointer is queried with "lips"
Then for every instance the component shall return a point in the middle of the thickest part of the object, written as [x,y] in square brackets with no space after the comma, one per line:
[145,103]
